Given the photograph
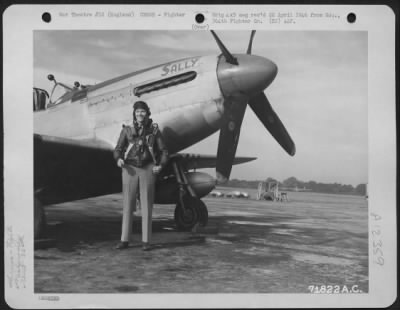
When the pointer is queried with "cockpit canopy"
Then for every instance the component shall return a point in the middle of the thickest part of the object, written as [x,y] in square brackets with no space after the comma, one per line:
[59,94]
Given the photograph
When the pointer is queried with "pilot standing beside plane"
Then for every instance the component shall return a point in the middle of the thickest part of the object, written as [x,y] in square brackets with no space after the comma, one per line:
[141,153]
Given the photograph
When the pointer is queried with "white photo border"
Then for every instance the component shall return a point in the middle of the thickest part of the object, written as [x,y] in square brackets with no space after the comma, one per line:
[19,23]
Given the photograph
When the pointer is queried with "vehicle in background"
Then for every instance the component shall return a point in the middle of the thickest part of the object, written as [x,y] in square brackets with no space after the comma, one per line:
[271,193]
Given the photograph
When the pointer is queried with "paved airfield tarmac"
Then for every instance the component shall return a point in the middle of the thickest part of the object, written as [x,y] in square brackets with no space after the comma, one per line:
[248,246]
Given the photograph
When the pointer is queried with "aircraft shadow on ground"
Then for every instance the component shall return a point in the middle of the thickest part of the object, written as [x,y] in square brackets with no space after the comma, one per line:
[69,234]
[72,233]
[77,232]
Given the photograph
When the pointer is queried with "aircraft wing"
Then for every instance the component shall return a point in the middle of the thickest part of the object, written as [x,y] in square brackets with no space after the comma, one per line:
[196,161]
[68,169]
[52,142]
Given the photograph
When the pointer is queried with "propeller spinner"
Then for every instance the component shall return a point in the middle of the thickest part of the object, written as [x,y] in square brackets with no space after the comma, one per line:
[242,79]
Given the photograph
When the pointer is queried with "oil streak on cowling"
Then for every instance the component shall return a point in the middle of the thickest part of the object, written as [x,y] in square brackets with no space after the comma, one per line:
[167,190]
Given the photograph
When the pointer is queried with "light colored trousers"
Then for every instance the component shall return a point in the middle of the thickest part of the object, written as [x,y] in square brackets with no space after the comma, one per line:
[134,178]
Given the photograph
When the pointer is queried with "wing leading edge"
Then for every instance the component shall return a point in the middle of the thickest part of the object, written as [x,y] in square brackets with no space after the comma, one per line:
[197,161]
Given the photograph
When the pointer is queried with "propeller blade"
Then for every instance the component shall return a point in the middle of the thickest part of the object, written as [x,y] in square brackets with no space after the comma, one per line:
[228,56]
[229,138]
[253,32]
[263,109]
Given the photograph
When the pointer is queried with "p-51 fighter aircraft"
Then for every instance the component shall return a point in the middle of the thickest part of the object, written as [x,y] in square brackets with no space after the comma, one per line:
[190,99]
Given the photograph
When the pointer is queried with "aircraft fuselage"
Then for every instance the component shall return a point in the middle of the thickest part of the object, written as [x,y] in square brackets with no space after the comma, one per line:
[184,98]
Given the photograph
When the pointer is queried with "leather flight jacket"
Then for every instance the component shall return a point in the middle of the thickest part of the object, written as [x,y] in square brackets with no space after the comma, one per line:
[141,146]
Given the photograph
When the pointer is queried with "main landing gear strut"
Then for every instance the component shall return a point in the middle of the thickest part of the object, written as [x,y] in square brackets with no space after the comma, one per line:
[189,210]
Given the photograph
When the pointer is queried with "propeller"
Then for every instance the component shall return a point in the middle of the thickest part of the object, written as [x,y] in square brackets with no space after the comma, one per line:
[229,139]
[253,32]
[243,79]
[263,109]
[228,56]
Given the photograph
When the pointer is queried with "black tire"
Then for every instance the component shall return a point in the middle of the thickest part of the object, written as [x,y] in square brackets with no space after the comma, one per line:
[39,219]
[186,217]
[203,213]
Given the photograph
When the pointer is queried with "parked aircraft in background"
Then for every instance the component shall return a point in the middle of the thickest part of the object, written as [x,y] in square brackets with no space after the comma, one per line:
[237,194]
[216,194]
[76,128]
[245,195]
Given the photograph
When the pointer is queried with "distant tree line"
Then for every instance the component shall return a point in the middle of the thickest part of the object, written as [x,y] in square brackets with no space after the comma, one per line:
[312,186]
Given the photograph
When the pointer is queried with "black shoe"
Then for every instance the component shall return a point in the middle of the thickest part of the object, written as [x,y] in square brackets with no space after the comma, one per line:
[122,245]
[146,246]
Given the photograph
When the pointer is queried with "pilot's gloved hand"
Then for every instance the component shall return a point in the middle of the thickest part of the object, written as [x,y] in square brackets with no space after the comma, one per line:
[120,162]
[156,169]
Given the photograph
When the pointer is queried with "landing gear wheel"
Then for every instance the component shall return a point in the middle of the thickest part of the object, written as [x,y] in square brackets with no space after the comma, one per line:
[39,219]
[187,216]
[195,211]
[203,213]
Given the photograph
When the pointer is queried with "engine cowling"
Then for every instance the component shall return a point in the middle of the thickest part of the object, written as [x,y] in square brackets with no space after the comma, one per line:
[167,190]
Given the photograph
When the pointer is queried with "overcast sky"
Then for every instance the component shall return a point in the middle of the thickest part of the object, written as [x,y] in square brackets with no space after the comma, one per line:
[320,92]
